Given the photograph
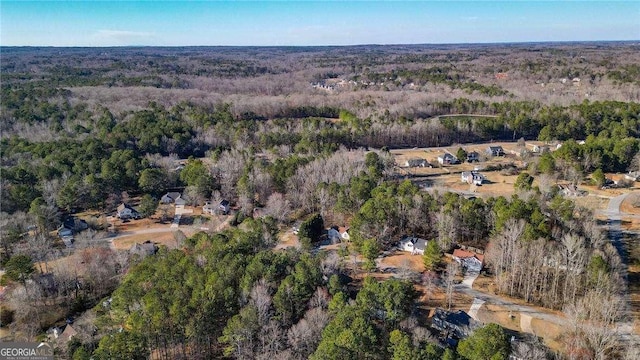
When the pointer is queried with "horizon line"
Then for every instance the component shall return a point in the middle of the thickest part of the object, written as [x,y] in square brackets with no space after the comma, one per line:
[320,46]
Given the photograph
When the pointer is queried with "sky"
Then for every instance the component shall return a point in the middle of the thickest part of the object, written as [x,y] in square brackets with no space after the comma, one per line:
[301,23]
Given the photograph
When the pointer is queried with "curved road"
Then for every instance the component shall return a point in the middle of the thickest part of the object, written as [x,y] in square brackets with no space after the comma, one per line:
[624,329]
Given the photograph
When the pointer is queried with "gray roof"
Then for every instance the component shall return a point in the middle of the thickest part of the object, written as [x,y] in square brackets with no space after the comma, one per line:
[172,195]
[418,243]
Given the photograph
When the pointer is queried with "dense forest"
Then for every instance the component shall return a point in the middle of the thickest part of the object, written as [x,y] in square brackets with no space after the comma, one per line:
[303,134]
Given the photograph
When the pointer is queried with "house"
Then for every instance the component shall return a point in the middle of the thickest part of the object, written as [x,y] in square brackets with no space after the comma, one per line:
[447,159]
[64,231]
[456,324]
[334,235]
[469,260]
[222,207]
[472,177]
[143,250]
[172,198]
[570,190]
[296,227]
[473,156]
[125,211]
[495,151]
[632,175]
[539,149]
[416,162]
[62,334]
[74,224]
[413,245]
[344,233]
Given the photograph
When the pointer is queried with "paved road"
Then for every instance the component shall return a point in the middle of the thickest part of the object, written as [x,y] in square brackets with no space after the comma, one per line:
[625,329]
[614,219]
[510,306]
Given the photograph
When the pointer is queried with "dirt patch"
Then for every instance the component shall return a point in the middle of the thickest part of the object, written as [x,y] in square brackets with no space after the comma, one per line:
[591,202]
[490,313]
[550,332]
[402,260]
[485,284]
[631,205]
[165,238]
[287,239]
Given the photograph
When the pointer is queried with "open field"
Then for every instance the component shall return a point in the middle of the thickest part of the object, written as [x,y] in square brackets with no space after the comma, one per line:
[447,177]
[165,238]
[402,260]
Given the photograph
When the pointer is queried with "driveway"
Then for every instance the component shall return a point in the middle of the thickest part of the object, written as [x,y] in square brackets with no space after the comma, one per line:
[528,313]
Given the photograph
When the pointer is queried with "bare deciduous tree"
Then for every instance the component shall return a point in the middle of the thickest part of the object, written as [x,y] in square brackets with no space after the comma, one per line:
[449,281]
[278,207]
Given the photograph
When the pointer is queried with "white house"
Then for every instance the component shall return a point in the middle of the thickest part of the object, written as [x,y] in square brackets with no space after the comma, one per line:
[338,234]
[172,197]
[632,175]
[125,211]
[416,162]
[447,159]
[222,207]
[344,233]
[413,245]
[495,151]
[472,177]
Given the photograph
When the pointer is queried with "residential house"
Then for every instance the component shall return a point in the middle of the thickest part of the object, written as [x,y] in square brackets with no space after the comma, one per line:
[469,260]
[143,250]
[539,149]
[334,235]
[222,207]
[296,227]
[447,159]
[125,211]
[472,177]
[62,334]
[473,156]
[568,190]
[64,231]
[337,234]
[417,162]
[495,151]
[632,175]
[70,226]
[413,245]
[456,324]
[344,233]
[173,198]
[75,224]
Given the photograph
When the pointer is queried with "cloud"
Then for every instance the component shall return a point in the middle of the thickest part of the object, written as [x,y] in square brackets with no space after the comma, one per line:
[123,37]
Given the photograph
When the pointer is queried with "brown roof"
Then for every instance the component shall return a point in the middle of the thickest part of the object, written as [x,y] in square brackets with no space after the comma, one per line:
[463,254]
[67,334]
